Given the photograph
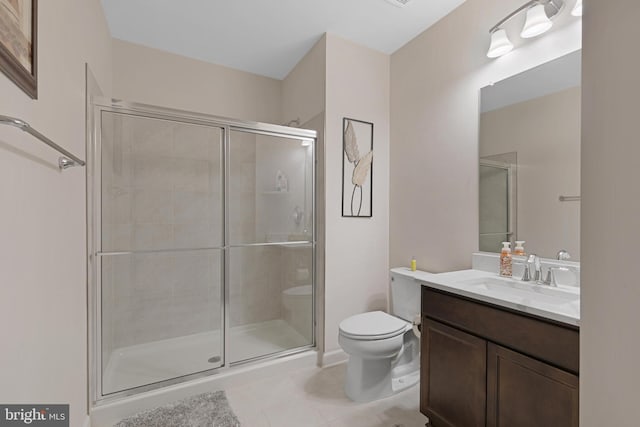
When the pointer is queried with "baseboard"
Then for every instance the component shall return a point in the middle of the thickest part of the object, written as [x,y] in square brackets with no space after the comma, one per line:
[334,357]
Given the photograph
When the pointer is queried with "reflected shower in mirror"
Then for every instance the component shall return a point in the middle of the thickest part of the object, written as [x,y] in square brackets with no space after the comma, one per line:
[530,160]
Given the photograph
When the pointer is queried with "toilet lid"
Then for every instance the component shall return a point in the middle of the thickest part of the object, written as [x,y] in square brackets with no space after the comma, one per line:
[372,325]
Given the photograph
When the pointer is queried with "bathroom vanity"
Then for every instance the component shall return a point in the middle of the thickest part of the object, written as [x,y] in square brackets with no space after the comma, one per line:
[498,352]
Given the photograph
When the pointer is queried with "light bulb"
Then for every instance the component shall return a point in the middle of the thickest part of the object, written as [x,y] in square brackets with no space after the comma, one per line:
[500,44]
[536,22]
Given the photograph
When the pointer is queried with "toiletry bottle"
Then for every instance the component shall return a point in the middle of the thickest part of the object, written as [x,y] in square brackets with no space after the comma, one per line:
[505,260]
[413,263]
[519,249]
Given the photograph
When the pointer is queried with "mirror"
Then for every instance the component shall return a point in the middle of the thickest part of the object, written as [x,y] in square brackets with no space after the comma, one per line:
[529,152]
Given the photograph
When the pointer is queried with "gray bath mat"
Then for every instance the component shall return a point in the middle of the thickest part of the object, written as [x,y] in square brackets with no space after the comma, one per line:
[202,410]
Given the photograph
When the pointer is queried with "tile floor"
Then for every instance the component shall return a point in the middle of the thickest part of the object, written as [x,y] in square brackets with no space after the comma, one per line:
[315,398]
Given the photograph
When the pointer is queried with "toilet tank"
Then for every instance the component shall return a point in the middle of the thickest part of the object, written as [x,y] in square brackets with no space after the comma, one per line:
[405,294]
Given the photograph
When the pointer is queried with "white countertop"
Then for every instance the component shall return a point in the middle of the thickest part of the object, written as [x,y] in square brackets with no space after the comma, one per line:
[561,304]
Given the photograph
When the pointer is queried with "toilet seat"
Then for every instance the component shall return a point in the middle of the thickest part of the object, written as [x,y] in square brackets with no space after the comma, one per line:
[374,325]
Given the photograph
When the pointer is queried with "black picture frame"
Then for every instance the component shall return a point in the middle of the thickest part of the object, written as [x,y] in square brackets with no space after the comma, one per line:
[26,79]
[357,166]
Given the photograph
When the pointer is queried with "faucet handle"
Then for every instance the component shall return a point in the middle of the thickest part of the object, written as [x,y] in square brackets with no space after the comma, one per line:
[550,280]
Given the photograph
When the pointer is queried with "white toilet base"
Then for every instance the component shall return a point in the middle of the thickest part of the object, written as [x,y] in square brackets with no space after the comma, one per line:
[376,384]
[377,378]
[404,382]
[379,382]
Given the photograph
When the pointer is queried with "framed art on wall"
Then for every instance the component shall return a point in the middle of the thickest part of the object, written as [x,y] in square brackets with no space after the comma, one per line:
[18,43]
[357,168]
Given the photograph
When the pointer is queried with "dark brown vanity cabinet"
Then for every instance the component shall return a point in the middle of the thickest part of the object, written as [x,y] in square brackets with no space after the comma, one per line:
[525,392]
[453,376]
[483,365]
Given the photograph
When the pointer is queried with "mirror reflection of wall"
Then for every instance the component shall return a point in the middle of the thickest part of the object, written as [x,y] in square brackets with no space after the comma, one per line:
[529,157]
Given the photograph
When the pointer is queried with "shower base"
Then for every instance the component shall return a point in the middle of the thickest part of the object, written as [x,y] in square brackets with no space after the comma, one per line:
[149,363]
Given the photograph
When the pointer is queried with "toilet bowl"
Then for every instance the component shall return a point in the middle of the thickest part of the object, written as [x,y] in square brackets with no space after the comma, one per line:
[384,351]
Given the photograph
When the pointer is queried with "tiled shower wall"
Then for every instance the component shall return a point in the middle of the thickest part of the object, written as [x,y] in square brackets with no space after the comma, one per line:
[259,274]
[161,189]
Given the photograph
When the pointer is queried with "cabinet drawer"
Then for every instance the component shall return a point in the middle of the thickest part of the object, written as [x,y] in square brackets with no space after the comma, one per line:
[544,340]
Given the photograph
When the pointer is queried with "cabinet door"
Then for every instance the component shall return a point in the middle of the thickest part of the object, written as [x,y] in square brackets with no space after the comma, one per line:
[525,392]
[453,376]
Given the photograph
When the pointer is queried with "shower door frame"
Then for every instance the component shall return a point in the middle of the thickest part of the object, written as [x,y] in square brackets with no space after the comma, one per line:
[97,106]
[512,198]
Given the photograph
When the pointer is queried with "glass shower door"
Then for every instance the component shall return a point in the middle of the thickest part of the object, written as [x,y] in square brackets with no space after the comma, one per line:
[270,235]
[160,249]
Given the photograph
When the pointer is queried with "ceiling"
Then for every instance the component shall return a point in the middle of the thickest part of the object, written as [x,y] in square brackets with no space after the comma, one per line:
[267,37]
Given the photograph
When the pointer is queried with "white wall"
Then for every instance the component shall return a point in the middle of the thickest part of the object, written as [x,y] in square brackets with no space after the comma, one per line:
[42,220]
[303,90]
[435,84]
[152,76]
[609,345]
[356,258]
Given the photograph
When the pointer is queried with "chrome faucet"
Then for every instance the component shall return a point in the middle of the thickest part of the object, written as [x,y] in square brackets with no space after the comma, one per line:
[534,260]
[526,276]
[549,280]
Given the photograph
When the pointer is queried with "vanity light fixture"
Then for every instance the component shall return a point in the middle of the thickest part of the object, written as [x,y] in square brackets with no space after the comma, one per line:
[539,14]
[500,44]
[536,23]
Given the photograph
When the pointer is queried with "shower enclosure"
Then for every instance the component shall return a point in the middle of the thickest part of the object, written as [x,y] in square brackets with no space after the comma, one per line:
[201,245]
[498,202]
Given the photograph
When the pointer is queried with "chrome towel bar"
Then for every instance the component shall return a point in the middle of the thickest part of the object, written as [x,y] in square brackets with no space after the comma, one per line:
[569,198]
[66,161]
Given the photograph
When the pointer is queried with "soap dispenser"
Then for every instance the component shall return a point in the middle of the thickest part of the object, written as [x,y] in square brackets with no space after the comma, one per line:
[519,249]
[505,260]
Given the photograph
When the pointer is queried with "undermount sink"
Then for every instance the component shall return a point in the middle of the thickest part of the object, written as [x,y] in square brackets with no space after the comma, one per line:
[561,303]
[541,293]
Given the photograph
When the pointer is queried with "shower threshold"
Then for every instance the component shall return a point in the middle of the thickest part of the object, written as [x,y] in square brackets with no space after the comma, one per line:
[148,363]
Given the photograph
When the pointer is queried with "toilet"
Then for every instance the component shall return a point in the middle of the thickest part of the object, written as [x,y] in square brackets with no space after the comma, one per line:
[383,349]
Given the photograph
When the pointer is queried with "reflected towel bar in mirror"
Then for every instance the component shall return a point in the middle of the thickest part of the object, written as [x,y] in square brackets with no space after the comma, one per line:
[66,161]
[569,198]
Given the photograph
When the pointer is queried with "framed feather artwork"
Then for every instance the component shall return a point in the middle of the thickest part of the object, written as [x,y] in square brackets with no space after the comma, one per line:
[357,168]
